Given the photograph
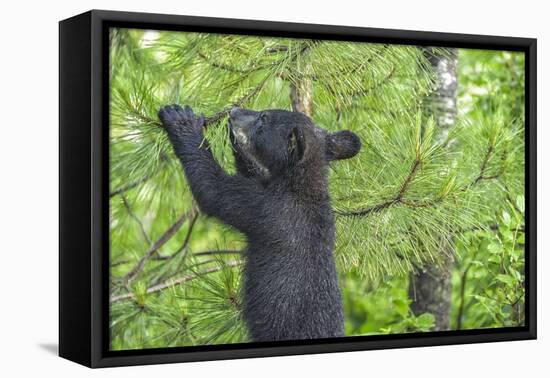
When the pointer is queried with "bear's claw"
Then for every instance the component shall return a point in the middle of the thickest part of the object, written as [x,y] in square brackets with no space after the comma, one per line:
[176,116]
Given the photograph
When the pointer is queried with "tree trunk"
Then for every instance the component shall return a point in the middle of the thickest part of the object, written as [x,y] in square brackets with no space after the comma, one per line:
[301,90]
[430,290]
[301,96]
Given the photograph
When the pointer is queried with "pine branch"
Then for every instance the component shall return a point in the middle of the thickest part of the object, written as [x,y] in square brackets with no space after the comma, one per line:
[222,66]
[186,240]
[213,119]
[175,282]
[347,71]
[244,99]
[137,220]
[180,250]
[233,69]
[484,164]
[483,169]
[360,65]
[509,198]
[277,49]
[132,184]
[120,262]
[365,91]
[164,238]
[399,198]
[396,199]
[216,117]
[408,180]
[219,252]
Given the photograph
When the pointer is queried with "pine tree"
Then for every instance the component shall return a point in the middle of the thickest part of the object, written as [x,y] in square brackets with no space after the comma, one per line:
[409,194]
[430,289]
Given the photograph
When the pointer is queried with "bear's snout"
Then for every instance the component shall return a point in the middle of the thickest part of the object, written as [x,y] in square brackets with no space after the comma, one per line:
[242,118]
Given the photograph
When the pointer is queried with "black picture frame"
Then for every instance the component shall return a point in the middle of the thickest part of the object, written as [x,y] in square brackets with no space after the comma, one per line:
[84,188]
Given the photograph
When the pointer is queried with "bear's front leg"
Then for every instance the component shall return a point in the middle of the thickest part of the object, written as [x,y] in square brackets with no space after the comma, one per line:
[185,132]
[231,199]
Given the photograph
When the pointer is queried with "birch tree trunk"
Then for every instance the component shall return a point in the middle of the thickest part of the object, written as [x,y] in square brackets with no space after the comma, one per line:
[430,290]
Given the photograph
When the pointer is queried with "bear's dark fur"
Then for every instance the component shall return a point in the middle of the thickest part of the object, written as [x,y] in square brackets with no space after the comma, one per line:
[279,199]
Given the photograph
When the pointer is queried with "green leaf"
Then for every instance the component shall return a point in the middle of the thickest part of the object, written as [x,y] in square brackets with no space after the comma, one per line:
[495,248]
[520,203]
[508,280]
[426,321]
[506,218]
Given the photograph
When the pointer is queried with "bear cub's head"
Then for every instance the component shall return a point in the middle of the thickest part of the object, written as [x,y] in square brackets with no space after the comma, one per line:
[269,143]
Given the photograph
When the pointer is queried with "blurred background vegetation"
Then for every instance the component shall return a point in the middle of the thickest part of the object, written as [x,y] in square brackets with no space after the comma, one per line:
[430,214]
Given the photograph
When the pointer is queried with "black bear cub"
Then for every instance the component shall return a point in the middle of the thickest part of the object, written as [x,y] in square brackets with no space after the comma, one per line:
[279,199]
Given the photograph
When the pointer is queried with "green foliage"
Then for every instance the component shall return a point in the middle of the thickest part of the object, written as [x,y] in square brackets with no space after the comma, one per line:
[490,277]
[491,77]
[380,309]
[175,277]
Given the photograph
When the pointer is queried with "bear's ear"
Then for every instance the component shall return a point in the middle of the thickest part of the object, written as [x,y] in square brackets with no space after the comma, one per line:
[342,145]
[296,145]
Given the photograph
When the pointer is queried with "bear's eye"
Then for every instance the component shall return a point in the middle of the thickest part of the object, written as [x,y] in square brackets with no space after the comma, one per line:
[263,117]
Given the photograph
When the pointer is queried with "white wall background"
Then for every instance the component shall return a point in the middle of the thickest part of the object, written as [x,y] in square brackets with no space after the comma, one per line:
[29,188]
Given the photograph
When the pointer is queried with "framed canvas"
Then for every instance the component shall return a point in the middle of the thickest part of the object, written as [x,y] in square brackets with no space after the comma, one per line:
[236,188]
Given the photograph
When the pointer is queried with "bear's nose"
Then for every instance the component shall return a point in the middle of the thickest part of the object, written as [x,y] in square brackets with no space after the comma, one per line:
[233,113]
